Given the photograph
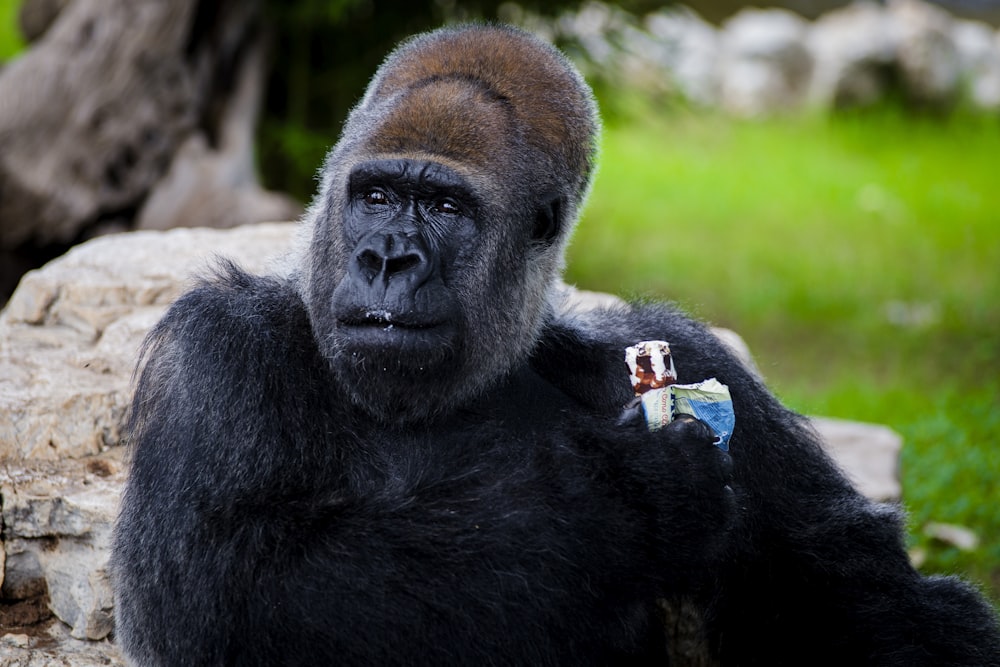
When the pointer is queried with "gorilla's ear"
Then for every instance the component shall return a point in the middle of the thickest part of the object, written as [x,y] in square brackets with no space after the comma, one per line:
[548,220]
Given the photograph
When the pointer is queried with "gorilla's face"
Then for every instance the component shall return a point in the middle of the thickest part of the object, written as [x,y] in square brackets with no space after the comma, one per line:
[429,291]
[407,226]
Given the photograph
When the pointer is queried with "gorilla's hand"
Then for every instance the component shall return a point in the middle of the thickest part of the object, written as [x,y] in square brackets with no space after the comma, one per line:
[709,463]
[694,498]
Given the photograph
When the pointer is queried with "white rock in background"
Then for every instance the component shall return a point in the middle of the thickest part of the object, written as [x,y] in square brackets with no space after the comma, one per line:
[854,52]
[765,65]
[979,57]
[591,26]
[765,61]
[867,453]
[959,537]
[928,60]
[689,48]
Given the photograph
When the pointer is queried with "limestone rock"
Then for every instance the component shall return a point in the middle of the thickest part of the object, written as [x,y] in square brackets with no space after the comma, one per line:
[56,648]
[689,52]
[867,453]
[854,50]
[979,54]
[926,53]
[70,334]
[765,65]
[57,520]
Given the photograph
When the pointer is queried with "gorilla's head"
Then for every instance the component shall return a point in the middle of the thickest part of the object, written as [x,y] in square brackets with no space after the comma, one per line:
[443,214]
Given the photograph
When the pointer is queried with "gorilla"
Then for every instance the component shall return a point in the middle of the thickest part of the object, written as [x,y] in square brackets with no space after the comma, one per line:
[408,450]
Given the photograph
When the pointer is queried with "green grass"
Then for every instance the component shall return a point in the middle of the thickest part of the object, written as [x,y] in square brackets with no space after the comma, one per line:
[860,258]
[11,42]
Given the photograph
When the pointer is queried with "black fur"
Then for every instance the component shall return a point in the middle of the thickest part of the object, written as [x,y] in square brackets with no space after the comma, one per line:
[268,522]
[402,455]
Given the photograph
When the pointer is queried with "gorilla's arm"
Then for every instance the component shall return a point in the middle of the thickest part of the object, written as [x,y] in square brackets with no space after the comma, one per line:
[265,522]
[813,565]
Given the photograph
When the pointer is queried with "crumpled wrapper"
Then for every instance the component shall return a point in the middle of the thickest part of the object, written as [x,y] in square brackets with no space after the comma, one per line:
[653,378]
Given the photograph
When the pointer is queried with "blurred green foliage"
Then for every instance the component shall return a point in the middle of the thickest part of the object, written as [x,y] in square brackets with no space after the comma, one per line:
[11,42]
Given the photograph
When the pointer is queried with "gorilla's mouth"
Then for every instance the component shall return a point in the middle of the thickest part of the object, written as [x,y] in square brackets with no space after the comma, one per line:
[381,318]
[398,337]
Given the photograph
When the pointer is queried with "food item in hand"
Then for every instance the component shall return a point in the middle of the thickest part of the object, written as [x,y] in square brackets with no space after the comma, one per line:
[650,366]
[653,378]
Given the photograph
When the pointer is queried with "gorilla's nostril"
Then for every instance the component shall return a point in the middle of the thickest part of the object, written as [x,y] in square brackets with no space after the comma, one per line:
[371,263]
[402,263]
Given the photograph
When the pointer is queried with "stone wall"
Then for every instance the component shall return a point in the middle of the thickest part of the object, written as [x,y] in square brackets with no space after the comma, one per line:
[69,338]
[766,61]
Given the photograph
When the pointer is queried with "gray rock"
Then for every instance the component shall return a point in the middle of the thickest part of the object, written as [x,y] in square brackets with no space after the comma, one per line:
[689,52]
[867,453]
[57,520]
[979,57]
[765,65]
[926,53]
[959,537]
[70,334]
[56,648]
[854,50]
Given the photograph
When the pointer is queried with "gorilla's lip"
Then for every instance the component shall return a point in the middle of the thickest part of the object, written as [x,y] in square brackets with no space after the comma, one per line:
[387,318]
[380,318]
[386,337]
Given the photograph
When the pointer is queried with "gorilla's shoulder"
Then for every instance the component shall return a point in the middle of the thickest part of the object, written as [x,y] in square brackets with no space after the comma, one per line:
[234,317]
[231,301]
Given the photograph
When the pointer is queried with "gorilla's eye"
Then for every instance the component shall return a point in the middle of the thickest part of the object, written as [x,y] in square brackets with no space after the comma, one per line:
[376,198]
[446,206]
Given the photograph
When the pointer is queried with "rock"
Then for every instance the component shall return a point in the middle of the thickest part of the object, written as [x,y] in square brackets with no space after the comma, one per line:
[854,51]
[54,647]
[23,576]
[70,334]
[929,65]
[979,57]
[739,347]
[765,65]
[570,302]
[688,52]
[959,537]
[57,527]
[867,453]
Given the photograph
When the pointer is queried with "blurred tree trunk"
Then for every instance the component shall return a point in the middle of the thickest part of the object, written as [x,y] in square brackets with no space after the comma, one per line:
[94,115]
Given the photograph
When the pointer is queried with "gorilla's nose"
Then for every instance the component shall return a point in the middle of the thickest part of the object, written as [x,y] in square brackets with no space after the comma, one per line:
[392,257]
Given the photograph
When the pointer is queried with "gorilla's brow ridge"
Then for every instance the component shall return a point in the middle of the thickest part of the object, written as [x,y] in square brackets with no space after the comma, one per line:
[477,82]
